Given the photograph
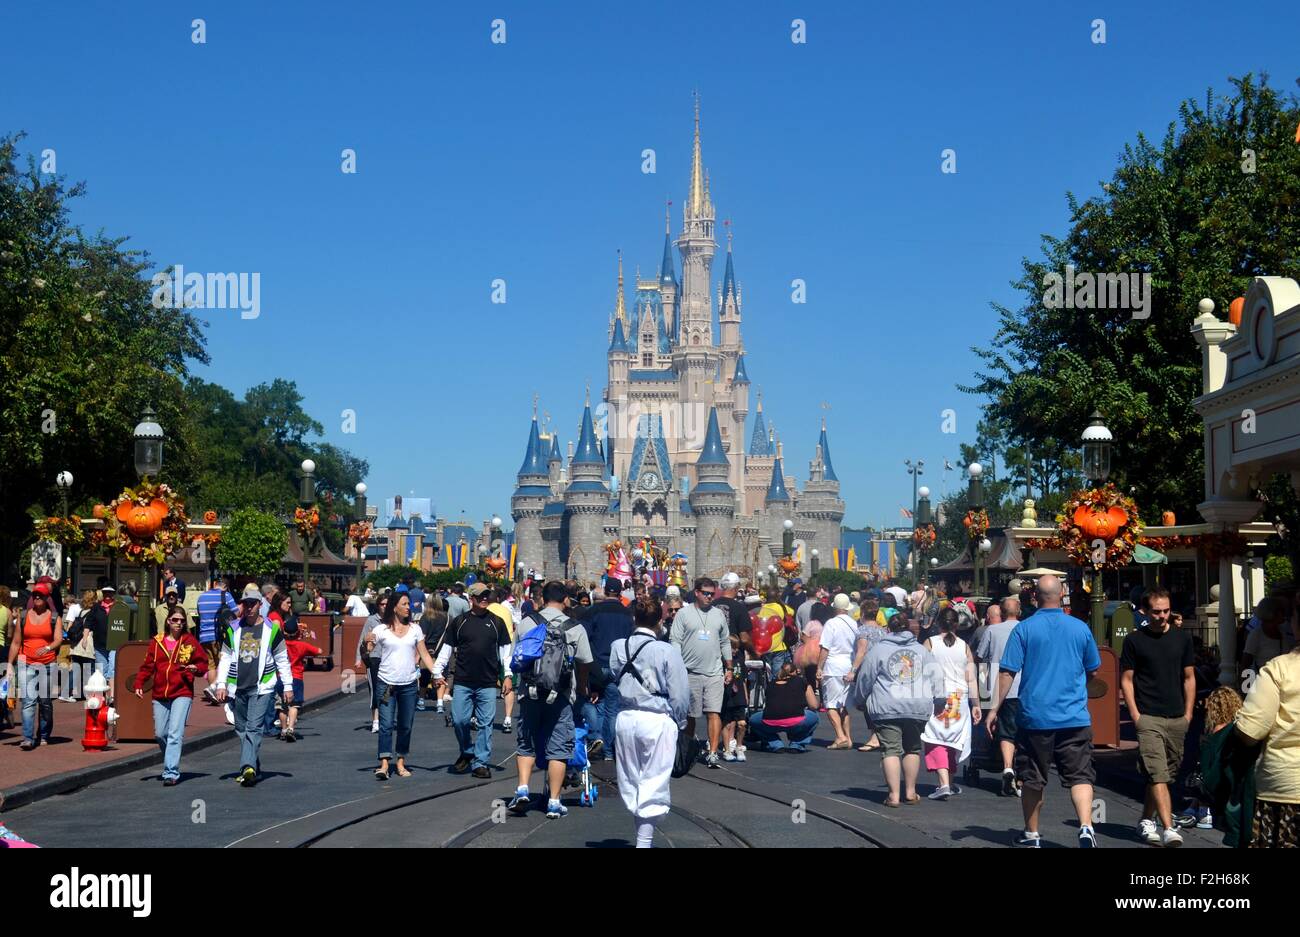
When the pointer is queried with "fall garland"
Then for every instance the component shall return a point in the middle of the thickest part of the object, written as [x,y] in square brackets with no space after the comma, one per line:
[976,524]
[1213,546]
[306,520]
[1104,514]
[145,524]
[359,534]
[925,536]
[62,530]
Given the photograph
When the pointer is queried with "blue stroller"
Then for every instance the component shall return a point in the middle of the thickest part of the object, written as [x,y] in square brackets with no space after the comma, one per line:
[580,768]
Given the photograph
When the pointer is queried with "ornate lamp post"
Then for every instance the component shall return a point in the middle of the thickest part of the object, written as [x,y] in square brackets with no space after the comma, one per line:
[64,481]
[1097,440]
[975,501]
[787,537]
[816,562]
[359,512]
[914,470]
[520,570]
[307,496]
[771,574]
[148,437]
[922,519]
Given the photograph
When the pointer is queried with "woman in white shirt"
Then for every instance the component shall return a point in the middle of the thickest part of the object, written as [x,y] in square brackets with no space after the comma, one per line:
[838,638]
[947,734]
[400,644]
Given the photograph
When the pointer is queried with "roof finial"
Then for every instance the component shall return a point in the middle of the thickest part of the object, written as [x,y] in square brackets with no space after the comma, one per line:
[668,217]
[534,406]
[730,234]
[620,309]
[587,402]
[760,400]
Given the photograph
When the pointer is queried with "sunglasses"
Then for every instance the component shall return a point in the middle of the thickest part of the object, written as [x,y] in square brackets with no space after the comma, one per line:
[707,595]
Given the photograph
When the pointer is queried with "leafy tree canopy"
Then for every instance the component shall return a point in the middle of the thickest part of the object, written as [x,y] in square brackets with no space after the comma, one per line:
[252,543]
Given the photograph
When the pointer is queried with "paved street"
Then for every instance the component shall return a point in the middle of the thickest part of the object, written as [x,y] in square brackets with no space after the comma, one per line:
[321,791]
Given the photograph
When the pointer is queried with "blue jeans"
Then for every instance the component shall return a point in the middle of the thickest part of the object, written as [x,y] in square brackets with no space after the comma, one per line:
[268,723]
[35,684]
[169,729]
[797,734]
[106,663]
[250,714]
[482,705]
[606,713]
[397,711]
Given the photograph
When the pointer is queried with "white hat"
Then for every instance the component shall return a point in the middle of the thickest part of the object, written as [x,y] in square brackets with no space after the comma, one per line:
[730,581]
[841,602]
[674,592]
[754,599]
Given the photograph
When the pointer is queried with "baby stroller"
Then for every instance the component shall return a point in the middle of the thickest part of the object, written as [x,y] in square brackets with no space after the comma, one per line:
[580,769]
[758,673]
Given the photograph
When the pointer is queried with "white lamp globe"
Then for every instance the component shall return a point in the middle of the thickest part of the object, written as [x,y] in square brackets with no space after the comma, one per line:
[975,470]
[308,466]
[361,488]
[923,492]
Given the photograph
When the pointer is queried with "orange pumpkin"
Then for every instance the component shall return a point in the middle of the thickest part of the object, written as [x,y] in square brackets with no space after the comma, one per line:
[787,565]
[1168,519]
[496,564]
[99,511]
[1103,525]
[142,521]
[209,517]
[1235,309]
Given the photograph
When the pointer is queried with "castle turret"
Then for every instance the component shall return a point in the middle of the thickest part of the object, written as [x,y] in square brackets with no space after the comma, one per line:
[821,512]
[532,490]
[586,502]
[713,502]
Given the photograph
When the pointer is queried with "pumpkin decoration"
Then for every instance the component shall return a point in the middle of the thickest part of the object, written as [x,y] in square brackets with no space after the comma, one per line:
[98,512]
[1235,309]
[788,565]
[1100,524]
[209,517]
[496,564]
[143,520]
[146,523]
[1168,519]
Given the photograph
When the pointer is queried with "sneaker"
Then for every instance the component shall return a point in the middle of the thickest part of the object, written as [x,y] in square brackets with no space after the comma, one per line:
[1204,819]
[595,747]
[1148,832]
[473,722]
[1186,818]
[740,753]
[374,726]
[519,803]
[462,764]
[729,755]
[797,747]
[27,745]
[248,777]
[419,705]
[555,810]
[1030,840]
[1008,784]
[1087,838]
[1171,838]
[276,723]
[956,789]
[482,772]
[290,735]
[942,792]
[731,747]
[170,782]
[230,714]
[507,727]
[438,709]
[711,760]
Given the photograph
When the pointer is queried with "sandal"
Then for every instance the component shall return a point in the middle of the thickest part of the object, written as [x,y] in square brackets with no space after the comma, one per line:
[403,773]
[381,774]
[869,748]
[893,803]
[913,801]
[839,746]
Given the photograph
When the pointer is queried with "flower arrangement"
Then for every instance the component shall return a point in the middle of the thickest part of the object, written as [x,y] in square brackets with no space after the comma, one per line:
[1104,514]
[146,524]
[306,520]
[63,530]
[976,524]
[359,534]
[925,536]
[1043,543]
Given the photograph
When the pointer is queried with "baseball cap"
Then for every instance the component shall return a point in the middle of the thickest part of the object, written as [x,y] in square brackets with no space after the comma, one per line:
[674,592]
[477,589]
[107,588]
[251,594]
[796,582]
[41,588]
[171,590]
[841,602]
[730,581]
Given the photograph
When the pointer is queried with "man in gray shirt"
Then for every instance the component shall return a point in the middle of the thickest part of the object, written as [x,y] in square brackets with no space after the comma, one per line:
[701,635]
[989,650]
[457,604]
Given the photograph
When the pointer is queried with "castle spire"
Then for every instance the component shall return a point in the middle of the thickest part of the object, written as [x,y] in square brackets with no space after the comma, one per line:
[620,309]
[697,197]
[729,275]
[534,463]
[587,451]
[713,452]
[776,488]
[824,446]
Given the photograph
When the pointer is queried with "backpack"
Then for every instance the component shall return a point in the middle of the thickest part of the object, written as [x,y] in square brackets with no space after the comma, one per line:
[542,660]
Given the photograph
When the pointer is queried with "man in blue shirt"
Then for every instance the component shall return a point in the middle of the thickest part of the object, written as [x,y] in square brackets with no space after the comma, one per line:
[1055,655]
[210,605]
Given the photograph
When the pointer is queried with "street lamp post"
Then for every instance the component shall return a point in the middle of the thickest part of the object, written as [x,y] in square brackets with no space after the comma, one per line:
[787,537]
[771,574]
[1097,440]
[148,436]
[359,511]
[64,481]
[914,470]
[922,518]
[975,501]
[816,563]
[307,495]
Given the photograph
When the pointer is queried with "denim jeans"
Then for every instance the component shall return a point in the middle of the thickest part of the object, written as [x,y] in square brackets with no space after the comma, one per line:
[397,712]
[482,705]
[169,729]
[250,714]
[35,683]
[797,734]
[603,715]
[268,723]
[106,662]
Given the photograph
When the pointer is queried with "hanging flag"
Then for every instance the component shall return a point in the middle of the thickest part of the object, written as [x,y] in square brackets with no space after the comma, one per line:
[907,515]
[851,560]
[514,559]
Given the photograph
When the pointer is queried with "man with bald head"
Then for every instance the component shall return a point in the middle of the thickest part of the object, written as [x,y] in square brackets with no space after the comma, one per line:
[1054,656]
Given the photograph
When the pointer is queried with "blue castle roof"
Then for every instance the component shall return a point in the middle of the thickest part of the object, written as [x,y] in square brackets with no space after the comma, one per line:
[587,453]
[742,376]
[619,341]
[776,490]
[826,457]
[713,453]
[534,462]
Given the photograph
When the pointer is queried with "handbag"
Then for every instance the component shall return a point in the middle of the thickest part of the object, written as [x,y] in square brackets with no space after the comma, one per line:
[688,752]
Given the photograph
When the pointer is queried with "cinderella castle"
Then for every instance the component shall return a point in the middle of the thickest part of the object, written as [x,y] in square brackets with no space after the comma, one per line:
[669,461]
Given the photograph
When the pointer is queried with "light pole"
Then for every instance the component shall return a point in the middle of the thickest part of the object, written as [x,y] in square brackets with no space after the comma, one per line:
[1097,440]
[520,569]
[307,495]
[816,563]
[64,481]
[975,503]
[359,511]
[787,537]
[148,437]
[922,519]
[914,470]
[771,574]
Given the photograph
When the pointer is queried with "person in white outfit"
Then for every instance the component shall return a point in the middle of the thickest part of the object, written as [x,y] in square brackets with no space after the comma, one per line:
[654,698]
[835,659]
[947,734]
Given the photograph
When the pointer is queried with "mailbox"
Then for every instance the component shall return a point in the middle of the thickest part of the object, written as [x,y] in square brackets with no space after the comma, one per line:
[1103,700]
[134,716]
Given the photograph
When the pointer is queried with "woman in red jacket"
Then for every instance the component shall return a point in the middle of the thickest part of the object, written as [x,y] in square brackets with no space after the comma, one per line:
[173,660]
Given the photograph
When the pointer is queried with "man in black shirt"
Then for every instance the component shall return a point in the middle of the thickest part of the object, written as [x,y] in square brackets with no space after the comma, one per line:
[1159,685]
[482,645]
[607,621]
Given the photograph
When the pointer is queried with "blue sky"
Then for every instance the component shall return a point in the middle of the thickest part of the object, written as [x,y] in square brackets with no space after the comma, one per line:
[523,161]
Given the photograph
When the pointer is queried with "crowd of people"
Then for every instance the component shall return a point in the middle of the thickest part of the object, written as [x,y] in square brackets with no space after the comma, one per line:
[629,671]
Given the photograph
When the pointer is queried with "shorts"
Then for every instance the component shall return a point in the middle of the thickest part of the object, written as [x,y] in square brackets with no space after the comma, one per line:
[1160,747]
[706,694]
[298,692]
[1070,749]
[548,727]
[899,737]
[1008,721]
[835,690]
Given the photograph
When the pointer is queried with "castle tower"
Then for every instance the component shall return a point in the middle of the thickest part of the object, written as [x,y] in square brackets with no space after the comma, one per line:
[821,512]
[758,463]
[586,502]
[532,490]
[695,355]
[668,278]
[713,502]
[739,392]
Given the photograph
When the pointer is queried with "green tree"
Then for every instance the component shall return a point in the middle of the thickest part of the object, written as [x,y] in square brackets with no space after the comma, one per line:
[1184,212]
[252,543]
